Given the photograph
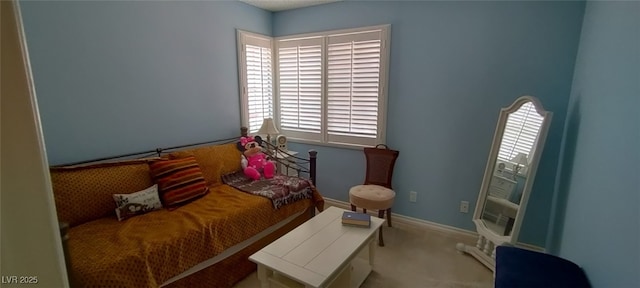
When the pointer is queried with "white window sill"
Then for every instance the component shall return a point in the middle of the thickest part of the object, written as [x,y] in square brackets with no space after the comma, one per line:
[334,145]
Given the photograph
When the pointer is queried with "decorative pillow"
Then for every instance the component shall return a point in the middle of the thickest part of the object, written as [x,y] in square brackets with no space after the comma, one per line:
[179,180]
[84,193]
[214,161]
[129,205]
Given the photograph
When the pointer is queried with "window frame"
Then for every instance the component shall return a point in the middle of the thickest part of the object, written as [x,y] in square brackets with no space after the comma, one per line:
[242,38]
[323,138]
[304,137]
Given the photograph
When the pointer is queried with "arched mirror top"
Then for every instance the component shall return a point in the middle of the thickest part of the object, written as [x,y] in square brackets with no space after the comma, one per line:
[522,100]
[520,133]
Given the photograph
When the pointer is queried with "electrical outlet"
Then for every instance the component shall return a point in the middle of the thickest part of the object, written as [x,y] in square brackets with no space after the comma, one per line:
[413,196]
[464,206]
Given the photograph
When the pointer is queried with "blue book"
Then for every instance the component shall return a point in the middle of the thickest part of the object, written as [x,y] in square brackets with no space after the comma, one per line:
[356,219]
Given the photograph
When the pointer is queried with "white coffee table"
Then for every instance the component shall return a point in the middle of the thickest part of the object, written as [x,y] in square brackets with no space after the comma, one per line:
[319,253]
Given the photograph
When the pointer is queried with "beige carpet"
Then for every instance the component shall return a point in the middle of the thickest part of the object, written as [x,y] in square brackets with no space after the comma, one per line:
[418,258]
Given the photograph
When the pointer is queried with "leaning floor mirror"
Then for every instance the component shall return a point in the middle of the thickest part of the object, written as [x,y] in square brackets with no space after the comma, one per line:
[509,175]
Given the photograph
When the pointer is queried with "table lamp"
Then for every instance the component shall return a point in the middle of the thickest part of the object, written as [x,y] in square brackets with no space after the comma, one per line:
[520,159]
[268,128]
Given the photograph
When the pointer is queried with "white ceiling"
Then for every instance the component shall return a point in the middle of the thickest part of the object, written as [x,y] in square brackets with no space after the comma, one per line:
[281,5]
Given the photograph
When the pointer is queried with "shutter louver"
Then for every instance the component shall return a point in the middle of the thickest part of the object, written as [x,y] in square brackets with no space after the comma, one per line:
[353,85]
[259,85]
[520,132]
[300,85]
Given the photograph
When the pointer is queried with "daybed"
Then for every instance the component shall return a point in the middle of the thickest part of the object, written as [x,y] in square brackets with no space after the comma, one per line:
[204,243]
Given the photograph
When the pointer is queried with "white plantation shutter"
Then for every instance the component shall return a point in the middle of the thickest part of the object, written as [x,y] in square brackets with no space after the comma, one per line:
[256,79]
[260,85]
[300,87]
[353,87]
[520,132]
[330,86]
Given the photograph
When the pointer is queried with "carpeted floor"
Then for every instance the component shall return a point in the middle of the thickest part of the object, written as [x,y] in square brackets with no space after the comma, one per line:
[418,258]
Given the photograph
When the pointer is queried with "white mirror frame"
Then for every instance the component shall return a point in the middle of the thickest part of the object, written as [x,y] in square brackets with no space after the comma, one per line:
[484,250]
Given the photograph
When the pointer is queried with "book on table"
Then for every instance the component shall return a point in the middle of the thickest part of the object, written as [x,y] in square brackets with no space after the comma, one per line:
[356,219]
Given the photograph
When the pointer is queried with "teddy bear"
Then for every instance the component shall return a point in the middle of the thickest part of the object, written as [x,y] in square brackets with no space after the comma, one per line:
[255,161]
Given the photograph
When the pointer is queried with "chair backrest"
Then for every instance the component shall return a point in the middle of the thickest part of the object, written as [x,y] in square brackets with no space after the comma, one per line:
[380,163]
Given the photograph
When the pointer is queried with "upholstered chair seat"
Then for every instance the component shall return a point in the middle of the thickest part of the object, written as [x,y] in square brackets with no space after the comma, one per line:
[374,197]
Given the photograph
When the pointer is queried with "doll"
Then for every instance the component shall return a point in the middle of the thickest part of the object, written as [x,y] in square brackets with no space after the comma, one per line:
[254,160]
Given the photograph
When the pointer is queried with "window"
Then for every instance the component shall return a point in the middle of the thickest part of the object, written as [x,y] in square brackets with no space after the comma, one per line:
[520,133]
[330,86]
[353,87]
[300,87]
[256,79]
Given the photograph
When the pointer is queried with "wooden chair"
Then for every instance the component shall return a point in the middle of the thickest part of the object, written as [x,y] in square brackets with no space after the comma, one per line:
[376,192]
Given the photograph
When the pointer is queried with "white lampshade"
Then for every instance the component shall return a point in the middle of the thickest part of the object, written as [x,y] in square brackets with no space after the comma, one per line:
[268,128]
[520,159]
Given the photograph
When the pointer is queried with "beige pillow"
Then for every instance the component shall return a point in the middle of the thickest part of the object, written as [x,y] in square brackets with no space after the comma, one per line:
[129,205]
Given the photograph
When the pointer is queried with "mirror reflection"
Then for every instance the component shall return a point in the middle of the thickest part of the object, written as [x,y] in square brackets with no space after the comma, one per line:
[511,165]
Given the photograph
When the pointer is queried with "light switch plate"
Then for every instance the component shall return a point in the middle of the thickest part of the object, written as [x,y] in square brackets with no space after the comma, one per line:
[464,206]
[413,196]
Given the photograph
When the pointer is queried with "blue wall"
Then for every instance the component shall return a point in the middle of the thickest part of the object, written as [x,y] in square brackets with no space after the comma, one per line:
[598,225]
[120,77]
[453,66]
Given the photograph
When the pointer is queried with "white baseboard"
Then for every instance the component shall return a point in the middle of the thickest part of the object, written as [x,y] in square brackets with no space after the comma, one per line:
[426,225]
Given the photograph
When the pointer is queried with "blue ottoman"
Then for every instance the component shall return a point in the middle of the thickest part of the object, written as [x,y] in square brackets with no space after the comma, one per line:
[520,268]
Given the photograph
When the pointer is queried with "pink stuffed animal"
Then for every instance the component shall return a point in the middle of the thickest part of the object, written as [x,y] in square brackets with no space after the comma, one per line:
[256,160]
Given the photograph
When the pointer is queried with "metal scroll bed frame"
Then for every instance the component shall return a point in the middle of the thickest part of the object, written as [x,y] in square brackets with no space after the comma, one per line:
[303,166]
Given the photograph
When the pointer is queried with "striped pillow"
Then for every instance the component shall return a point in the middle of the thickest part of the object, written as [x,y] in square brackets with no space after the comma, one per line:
[179,180]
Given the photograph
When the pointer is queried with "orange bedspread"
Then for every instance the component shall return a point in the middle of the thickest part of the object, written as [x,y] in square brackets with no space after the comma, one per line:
[147,250]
